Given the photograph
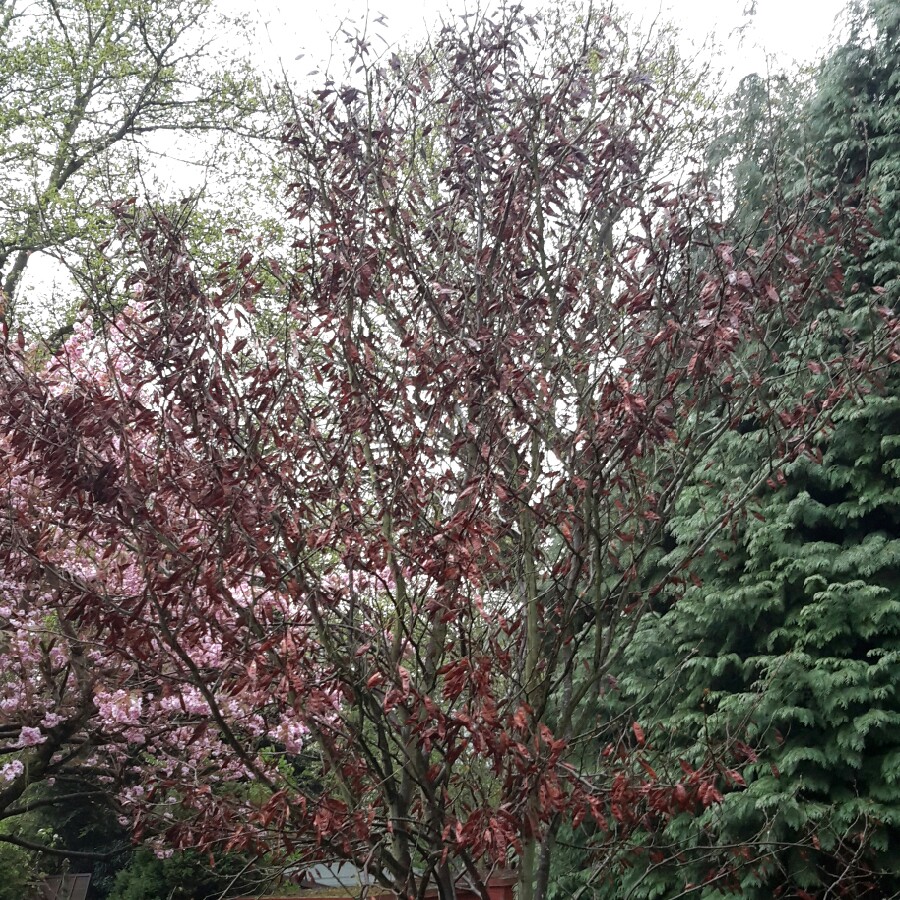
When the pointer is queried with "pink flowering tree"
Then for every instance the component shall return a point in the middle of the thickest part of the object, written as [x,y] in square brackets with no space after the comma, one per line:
[78,705]
[345,582]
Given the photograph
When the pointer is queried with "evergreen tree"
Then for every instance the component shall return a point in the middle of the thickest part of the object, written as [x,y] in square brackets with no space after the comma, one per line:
[183,876]
[781,670]
[779,667]
[855,133]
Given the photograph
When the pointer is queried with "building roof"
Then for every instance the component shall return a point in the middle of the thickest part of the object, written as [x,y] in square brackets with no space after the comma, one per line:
[338,875]
[65,887]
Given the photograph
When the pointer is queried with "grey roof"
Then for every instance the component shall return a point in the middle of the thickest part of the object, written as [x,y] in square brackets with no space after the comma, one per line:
[338,874]
[65,887]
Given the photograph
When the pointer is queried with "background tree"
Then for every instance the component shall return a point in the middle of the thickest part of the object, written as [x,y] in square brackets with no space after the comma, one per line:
[759,155]
[18,872]
[782,667]
[854,129]
[90,95]
[784,657]
[182,875]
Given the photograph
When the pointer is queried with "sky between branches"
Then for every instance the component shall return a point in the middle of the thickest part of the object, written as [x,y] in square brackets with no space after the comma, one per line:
[790,30]
[300,38]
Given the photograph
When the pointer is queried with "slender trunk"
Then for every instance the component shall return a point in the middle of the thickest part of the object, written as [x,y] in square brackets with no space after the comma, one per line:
[542,876]
[532,654]
[445,884]
[15,274]
[528,857]
[526,870]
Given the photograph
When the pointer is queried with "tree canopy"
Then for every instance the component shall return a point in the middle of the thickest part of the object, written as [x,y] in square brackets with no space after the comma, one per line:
[371,576]
[90,95]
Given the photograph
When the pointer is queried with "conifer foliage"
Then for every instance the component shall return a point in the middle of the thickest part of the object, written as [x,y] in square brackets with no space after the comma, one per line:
[779,667]
[855,133]
[782,668]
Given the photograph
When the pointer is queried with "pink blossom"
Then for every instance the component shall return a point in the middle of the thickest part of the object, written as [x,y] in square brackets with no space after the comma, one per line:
[30,737]
[119,707]
[11,770]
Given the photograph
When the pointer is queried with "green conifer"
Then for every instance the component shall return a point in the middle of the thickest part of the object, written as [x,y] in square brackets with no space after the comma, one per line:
[780,669]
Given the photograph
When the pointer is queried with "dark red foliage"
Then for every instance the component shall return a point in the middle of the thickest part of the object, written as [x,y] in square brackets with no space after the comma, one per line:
[349,582]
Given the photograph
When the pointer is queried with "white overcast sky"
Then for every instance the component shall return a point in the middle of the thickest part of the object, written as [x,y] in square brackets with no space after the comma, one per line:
[789,30]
